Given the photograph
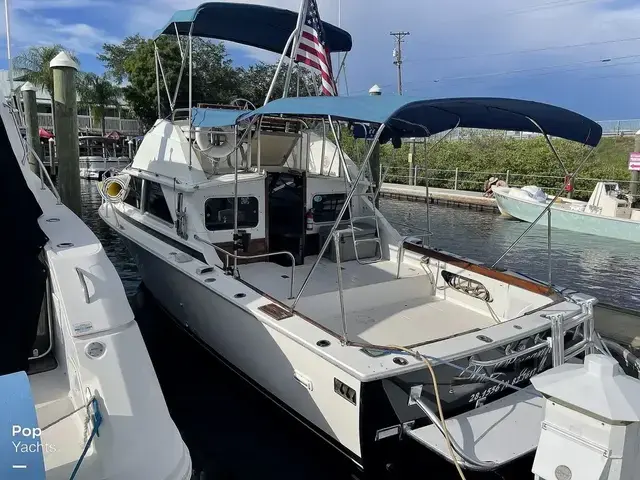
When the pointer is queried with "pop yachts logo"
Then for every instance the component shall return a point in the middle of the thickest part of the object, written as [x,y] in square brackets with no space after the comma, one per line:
[28,440]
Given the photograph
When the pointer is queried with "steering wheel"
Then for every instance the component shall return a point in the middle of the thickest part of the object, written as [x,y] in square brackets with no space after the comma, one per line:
[243,103]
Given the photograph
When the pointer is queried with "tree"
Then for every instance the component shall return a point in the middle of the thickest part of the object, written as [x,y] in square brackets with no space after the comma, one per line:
[256,80]
[33,65]
[98,93]
[214,78]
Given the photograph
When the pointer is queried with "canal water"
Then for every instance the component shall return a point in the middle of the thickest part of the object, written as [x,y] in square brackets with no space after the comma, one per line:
[234,433]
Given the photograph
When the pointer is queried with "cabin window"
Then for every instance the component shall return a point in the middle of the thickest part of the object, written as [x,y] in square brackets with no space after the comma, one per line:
[218,213]
[326,207]
[156,203]
[134,196]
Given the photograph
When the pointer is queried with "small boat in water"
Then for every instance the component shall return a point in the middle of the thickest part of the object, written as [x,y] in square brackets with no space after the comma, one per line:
[99,155]
[80,396]
[608,213]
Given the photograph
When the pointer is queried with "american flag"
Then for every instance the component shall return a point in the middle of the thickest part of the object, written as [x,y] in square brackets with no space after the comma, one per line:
[312,50]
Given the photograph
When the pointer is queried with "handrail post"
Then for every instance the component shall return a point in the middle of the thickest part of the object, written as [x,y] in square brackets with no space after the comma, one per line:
[340,215]
[557,339]
[336,243]
[455,181]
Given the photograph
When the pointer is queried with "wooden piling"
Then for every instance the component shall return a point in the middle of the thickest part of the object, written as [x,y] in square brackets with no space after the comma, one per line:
[31,123]
[66,122]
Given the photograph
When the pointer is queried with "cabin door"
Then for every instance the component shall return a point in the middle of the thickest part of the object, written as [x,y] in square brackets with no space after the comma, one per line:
[285,215]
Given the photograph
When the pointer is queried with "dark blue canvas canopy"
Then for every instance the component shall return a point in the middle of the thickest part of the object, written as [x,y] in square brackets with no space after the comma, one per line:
[259,26]
[416,117]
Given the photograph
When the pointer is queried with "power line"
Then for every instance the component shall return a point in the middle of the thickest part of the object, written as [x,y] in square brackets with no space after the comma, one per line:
[525,70]
[397,55]
[603,63]
[531,50]
[532,8]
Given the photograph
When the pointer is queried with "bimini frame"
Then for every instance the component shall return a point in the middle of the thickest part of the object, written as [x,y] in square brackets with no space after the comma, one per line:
[189,17]
[396,122]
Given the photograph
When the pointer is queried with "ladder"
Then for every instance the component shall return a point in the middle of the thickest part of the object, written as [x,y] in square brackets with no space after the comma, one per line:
[369,194]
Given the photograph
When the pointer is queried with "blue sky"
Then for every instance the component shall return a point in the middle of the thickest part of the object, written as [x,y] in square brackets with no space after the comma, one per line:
[455,47]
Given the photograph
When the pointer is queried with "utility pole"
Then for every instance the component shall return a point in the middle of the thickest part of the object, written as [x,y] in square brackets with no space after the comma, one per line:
[397,56]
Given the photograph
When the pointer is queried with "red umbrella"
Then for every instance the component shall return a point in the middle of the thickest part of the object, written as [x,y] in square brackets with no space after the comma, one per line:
[44,133]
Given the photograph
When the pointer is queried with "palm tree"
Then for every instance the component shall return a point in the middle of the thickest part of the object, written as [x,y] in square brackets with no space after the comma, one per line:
[98,93]
[33,65]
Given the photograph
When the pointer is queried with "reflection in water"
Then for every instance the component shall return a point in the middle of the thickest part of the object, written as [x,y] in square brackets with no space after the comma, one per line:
[240,421]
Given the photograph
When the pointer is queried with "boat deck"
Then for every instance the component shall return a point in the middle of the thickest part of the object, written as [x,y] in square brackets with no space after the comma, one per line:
[380,308]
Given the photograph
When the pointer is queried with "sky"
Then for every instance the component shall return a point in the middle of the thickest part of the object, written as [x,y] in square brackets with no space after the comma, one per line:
[579,54]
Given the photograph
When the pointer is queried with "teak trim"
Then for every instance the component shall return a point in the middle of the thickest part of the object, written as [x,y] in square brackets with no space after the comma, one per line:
[501,276]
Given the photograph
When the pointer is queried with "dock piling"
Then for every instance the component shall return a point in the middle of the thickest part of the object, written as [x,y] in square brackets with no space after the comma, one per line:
[66,122]
[31,123]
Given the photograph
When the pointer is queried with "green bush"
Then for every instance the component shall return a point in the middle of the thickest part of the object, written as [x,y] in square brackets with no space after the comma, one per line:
[529,161]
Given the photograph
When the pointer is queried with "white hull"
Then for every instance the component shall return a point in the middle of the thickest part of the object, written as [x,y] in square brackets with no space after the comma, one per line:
[272,360]
[565,218]
[93,350]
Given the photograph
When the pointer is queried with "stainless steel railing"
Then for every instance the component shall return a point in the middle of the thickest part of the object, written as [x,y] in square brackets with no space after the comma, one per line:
[246,257]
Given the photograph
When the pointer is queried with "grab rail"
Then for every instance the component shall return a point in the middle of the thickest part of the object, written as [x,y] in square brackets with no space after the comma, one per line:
[83,282]
[262,255]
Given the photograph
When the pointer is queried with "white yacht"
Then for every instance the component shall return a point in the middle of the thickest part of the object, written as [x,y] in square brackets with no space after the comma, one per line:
[100,410]
[259,235]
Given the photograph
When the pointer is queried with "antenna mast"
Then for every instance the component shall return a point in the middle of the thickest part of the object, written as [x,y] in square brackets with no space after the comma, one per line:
[397,56]
[8,28]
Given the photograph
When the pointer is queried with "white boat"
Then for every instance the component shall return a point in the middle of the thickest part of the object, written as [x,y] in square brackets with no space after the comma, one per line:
[259,236]
[608,213]
[90,377]
[99,155]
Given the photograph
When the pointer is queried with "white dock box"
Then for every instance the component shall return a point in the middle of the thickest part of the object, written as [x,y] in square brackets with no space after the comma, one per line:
[591,426]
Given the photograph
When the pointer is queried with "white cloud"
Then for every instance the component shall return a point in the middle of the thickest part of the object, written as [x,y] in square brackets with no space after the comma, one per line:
[81,38]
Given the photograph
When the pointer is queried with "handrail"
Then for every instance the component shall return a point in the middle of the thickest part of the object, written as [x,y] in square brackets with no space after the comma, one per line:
[83,282]
[262,255]
[42,170]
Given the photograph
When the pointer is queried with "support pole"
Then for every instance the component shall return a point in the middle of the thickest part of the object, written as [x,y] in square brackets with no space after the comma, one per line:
[66,122]
[375,155]
[31,124]
[635,174]
[130,144]
[412,155]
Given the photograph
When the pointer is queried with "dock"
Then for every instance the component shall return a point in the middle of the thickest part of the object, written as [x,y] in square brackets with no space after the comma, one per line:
[439,196]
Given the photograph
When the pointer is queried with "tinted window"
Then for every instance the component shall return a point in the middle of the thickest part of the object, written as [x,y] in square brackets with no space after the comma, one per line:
[135,190]
[156,203]
[326,207]
[218,213]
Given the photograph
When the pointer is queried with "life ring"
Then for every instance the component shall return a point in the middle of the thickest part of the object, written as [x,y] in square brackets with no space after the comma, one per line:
[203,141]
[115,188]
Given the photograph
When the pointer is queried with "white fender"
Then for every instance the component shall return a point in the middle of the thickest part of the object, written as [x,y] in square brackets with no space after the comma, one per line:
[216,151]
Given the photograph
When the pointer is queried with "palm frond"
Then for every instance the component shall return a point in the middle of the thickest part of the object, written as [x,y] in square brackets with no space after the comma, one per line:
[32,65]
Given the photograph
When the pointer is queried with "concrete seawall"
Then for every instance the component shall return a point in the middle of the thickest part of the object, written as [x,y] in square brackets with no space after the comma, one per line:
[439,196]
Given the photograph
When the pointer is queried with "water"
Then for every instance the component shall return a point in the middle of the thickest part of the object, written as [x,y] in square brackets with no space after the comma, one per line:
[607,268]
[234,433]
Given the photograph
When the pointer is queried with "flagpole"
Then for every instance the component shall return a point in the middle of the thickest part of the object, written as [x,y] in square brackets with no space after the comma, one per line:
[8,28]
[339,53]
[294,46]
